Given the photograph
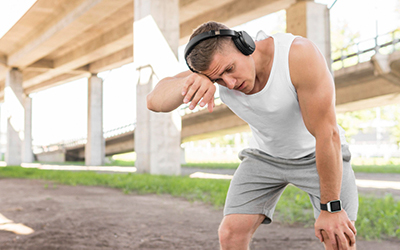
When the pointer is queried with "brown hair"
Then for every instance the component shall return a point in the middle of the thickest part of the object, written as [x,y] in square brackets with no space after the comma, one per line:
[201,56]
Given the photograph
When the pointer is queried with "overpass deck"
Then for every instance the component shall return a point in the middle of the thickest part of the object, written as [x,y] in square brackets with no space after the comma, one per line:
[365,76]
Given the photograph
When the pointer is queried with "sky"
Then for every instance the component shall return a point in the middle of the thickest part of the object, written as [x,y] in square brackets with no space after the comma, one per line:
[60,113]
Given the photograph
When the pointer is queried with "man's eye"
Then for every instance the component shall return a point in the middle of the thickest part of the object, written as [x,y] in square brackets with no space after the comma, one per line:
[219,81]
[229,69]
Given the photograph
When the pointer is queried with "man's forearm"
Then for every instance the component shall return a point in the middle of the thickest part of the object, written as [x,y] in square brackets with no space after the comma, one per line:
[185,87]
[166,96]
[330,168]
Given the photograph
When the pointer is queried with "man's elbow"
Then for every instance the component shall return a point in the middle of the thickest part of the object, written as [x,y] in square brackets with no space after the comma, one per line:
[327,134]
[335,134]
[150,103]
[156,105]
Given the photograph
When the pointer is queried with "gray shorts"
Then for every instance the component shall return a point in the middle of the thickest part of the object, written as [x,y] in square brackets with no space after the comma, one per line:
[260,180]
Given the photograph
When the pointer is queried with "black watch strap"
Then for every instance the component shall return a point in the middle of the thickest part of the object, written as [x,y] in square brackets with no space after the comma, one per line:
[332,206]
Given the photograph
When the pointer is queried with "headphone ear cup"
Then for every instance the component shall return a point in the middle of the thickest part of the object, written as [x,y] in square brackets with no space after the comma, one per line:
[244,43]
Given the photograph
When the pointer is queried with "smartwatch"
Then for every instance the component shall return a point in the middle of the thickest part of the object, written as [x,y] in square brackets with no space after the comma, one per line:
[332,206]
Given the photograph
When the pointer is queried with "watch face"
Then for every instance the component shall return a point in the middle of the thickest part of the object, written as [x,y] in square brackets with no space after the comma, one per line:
[335,206]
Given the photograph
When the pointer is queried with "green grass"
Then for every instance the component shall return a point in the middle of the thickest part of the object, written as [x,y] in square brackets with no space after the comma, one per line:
[376,165]
[386,169]
[294,207]
[75,163]
[211,165]
[390,168]
[208,191]
[378,218]
[121,163]
[117,162]
[359,165]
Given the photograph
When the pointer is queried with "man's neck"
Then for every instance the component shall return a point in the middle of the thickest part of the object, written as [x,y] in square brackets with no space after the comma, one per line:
[263,59]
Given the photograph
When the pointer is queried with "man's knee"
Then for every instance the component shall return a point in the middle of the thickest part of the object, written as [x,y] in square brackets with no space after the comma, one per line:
[230,233]
[327,243]
[238,229]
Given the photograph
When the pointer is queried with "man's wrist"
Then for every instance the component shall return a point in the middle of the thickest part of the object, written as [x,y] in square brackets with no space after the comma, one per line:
[332,206]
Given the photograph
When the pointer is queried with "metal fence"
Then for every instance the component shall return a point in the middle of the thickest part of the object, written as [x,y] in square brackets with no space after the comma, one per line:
[82,141]
[363,51]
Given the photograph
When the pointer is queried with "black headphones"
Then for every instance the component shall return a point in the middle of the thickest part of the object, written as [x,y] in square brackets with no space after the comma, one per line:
[241,39]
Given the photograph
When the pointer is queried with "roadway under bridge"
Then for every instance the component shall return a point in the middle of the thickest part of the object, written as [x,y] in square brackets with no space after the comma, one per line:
[60,41]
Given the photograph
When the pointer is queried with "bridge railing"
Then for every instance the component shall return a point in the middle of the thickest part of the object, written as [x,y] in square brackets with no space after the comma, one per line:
[83,140]
[363,51]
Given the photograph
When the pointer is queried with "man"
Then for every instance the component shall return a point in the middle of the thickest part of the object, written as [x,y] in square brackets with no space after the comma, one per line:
[282,88]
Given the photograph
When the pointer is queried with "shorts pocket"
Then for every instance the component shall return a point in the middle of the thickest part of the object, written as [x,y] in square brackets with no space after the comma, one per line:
[346,154]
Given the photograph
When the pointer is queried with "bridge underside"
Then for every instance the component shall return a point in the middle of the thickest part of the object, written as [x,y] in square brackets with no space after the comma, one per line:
[59,41]
[365,85]
[370,84]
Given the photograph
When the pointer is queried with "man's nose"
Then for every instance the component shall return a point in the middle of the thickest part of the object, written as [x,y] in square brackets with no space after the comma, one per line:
[230,82]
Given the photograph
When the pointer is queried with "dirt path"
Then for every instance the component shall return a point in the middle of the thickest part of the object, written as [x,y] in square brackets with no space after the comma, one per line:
[77,217]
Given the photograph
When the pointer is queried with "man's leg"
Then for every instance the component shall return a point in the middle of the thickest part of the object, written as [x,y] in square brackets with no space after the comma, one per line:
[236,230]
[330,247]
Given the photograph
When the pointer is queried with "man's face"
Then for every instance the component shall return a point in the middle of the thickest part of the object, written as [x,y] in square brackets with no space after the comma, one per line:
[232,69]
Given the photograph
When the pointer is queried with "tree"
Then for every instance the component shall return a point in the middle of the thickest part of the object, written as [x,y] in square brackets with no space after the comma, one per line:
[351,121]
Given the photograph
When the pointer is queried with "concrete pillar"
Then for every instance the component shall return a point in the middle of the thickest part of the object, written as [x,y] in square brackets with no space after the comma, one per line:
[166,17]
[142,136]
[156,41]
[15,119]
[27,154]
[95,146]
[183,155]
[311,20]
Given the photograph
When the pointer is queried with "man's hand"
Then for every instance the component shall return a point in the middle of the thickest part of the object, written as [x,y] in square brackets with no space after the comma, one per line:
[198,87]
[338,227]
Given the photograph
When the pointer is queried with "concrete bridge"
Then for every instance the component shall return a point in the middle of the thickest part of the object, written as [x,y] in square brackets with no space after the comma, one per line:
[366,84]
[59,41]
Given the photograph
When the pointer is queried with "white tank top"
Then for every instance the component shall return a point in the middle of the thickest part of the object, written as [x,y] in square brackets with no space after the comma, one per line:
[273,114]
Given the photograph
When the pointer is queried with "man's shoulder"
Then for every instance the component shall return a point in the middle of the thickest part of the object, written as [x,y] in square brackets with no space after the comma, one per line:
[304,61]
[302,47]
[285,39]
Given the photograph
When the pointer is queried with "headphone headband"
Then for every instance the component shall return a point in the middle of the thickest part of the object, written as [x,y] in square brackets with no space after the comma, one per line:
[241,39]
[206,35]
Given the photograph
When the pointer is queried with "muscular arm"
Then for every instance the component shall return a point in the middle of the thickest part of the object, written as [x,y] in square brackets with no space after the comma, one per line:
[316,93]
[185,87]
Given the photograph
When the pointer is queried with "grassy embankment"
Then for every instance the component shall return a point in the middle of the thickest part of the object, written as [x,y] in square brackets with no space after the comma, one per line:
[370,168]
[379,218]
